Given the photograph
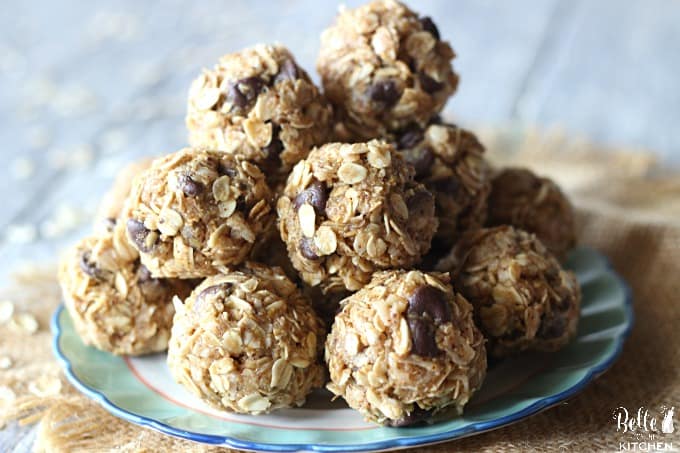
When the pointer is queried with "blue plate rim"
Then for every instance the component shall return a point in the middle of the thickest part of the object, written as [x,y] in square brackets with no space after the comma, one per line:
[405,442]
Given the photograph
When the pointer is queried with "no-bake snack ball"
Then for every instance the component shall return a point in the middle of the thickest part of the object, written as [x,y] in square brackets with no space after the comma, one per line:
[383,68]
[404,348]
[111,205]
[247,341]
[196,210]
[113,301]
[537,205]
[523,299]
[350,209]
[450,162]
[260,105]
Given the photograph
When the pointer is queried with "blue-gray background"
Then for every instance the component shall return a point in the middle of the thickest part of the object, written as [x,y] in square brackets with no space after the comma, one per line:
[86,86]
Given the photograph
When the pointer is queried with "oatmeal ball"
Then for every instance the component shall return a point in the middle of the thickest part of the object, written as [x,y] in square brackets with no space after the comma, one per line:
[115,304]
[350,209]
[405,348]
[523,299]
[197,210]
[537,205]
[383,67]
[247,341]
[112,203]
[449,161]
[260,105]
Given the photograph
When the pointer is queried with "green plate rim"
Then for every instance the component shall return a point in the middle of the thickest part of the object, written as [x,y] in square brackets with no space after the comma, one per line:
[396,443]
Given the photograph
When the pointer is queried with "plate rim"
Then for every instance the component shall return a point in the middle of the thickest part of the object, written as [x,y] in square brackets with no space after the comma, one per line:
[391,444]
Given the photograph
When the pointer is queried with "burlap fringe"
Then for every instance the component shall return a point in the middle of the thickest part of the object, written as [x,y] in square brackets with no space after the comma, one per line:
[70,422]
[626,185]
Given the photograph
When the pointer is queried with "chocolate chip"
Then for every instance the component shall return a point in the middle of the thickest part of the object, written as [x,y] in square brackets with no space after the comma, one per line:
[190,187]
[552,327]
[429,84]
[213,290]
[423,341]
[273,152]
[241,204]
[307,249]
[250,87]
[416,416]
[315,194]
[273,149]
[138,233]
[430,301]
[427,307]
[385,92]
[430,27]
[225,169]
[243,91]
[235,97]
[200,301]
[421,159]
[287,71]
[88,267]
[410,138]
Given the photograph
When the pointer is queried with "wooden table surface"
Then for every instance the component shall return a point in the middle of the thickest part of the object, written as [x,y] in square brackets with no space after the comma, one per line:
[87,86]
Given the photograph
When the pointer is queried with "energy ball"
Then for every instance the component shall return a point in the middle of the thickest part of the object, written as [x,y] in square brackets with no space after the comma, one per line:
[195,211]
[113,201]
[405,348]
[115,304]
[351,209]
[258,104]
[383,68]
[247,341]
[537,205]
[523,299]
[449,161]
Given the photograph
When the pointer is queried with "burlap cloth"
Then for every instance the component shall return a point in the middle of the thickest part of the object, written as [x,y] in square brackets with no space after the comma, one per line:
[628,208]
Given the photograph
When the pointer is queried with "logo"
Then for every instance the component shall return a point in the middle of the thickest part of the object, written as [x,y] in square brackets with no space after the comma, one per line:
[645,430]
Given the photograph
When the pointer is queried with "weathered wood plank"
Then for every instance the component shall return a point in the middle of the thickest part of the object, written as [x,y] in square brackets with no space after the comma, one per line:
[128,68]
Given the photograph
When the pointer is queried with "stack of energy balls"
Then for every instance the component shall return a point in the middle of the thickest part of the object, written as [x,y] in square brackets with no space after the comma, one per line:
[350,238]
